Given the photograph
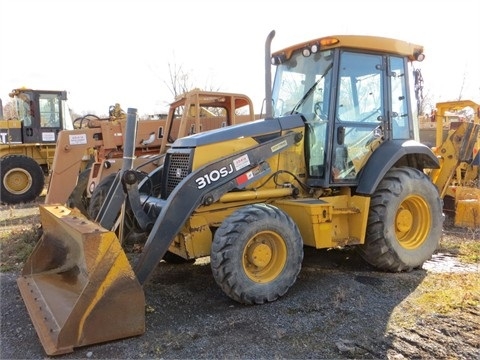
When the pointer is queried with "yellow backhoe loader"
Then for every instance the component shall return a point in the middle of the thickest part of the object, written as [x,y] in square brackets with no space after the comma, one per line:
[334,163]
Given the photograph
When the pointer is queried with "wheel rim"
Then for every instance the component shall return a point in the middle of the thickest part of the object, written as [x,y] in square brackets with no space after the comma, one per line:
[264,257]
[412,222]
[17,181]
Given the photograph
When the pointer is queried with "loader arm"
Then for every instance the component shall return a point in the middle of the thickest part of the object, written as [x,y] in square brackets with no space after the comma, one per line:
[188,195]
[72,146]
[77,148]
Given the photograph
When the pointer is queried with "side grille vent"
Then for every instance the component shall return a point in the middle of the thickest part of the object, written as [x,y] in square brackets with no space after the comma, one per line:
[178,167]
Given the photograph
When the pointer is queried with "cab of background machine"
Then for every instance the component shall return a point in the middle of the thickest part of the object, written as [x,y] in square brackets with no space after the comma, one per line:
[38,116]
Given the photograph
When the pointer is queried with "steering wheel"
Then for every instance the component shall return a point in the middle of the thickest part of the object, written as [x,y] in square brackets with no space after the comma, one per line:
[374,112]
[318,109]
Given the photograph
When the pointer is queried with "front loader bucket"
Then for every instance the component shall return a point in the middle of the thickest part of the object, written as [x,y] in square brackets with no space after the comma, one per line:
[78,285]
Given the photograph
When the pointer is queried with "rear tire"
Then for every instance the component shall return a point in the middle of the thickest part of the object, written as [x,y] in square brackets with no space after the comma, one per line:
[404,223]
[256,254]
[22,179]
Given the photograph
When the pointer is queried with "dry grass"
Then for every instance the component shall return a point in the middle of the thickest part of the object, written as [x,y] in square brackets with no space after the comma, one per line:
[447,293]
[16,246]
[439,293]
[462,245]
[19,232]
[444,293]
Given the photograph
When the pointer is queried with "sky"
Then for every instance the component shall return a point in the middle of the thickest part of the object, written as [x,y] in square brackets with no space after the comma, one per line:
[104,52]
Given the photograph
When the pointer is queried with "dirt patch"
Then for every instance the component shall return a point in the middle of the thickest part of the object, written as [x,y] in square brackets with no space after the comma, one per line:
[340,307]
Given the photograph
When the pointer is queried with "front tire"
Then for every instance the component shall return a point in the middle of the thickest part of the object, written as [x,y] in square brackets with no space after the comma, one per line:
[78,198]
[22,179]
[133,235]
[256,254]
[404,223]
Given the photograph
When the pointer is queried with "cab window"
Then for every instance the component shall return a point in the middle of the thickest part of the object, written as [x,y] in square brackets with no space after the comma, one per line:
[49,110]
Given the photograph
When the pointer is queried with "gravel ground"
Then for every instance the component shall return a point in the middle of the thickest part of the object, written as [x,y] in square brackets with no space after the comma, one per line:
[339,308]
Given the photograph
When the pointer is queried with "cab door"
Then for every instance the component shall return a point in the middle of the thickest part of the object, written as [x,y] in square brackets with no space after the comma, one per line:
[360,113]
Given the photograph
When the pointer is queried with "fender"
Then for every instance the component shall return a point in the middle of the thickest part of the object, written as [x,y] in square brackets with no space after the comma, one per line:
[390,153]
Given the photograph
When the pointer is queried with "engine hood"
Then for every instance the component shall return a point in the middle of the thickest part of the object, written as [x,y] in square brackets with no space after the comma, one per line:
[257,128]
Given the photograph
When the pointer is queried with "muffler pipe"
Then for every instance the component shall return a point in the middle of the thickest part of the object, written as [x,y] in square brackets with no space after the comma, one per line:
[268,76]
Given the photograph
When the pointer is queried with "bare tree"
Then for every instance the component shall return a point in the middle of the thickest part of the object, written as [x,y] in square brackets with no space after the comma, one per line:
[426,104]
[460,94]
[9,112]
[180,81]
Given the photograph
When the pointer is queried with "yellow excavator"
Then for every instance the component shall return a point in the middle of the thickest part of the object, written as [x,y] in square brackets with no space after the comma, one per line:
[334,163]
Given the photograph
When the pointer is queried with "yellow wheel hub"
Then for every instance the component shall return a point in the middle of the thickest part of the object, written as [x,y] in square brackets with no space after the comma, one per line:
[264,256]
[404,220]
[412,222]
[259,255]
[17,181]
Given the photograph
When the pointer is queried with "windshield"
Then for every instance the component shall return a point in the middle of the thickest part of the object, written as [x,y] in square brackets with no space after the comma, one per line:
[302,84]
[23,108]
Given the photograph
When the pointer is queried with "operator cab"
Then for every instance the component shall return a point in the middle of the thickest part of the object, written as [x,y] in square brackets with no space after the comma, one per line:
[41,114]
[351,102]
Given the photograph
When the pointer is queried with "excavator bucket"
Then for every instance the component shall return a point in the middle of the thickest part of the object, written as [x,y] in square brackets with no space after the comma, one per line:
[78,285]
